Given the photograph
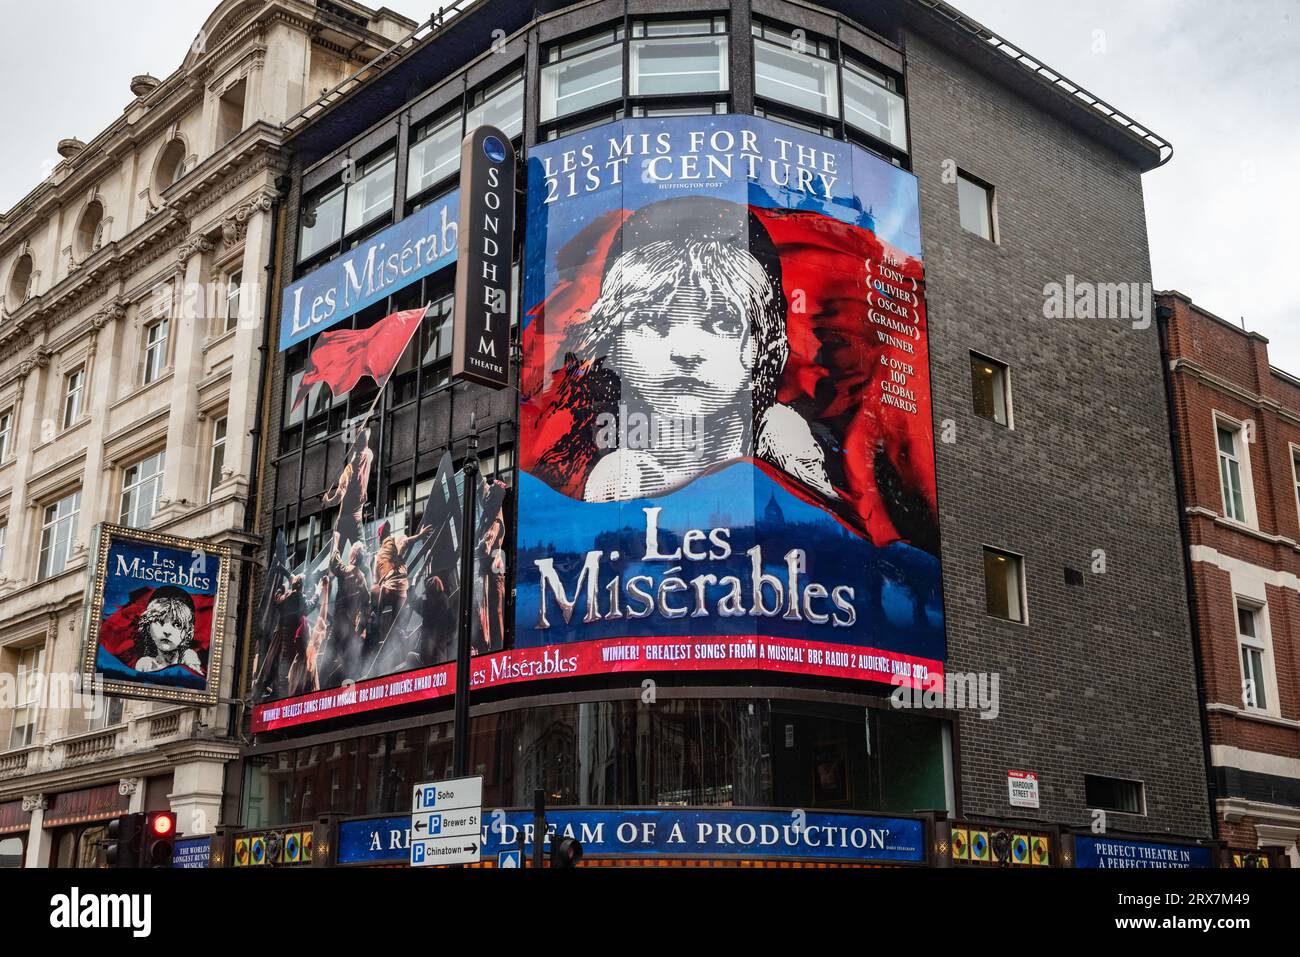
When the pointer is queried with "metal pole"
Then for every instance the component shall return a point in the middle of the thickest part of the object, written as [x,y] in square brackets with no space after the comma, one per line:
[460,724]
[539,824]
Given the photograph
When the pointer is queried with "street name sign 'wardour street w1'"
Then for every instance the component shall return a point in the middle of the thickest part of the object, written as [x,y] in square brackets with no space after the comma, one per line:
[446,818]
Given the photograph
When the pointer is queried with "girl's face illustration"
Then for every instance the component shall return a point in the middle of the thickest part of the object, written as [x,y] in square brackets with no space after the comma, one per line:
[687,354]
[171,631]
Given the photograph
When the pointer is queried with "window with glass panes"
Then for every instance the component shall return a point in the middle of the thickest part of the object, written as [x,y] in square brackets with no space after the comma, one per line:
[1251,642]
[665,59]
[155,351]
[218,453]
[371,194]
[74,387]
[1004,585]
[58,526]
[27,674]
[6,433]
[795,70]
[322,221]
[234,289]
[1230,472]
[141,489]
[799,77]
[989,390]
[582,74]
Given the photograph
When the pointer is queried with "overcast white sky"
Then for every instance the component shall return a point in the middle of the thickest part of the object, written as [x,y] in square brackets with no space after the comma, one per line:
[1220,79]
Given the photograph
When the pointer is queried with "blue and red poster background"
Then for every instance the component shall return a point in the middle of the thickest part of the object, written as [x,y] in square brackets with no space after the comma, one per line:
[726,452]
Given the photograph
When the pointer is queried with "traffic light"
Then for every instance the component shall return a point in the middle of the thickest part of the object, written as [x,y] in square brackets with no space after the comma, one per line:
[159,840]
[122,842]
[565,852]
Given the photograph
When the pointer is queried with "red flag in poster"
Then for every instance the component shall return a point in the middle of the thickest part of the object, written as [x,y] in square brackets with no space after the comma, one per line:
[343,356]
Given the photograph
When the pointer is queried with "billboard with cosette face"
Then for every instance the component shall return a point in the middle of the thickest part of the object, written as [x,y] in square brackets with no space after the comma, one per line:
[726,452]
[156,613]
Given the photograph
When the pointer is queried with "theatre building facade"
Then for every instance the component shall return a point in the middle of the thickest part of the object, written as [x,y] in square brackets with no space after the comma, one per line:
[131,337]
[785,529]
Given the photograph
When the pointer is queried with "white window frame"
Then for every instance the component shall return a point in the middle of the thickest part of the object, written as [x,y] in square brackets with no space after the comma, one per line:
[365,204]
[234,297]
[23,701]
[829,92]
[1009,409]
[50,531]
[74,393]
[217,458]
[1295,473]
[154,351]
[990,202]
[6,433]
[4,539]
[1020,583]
[1241,455]
[1261,642]
[130,505]
[552,74]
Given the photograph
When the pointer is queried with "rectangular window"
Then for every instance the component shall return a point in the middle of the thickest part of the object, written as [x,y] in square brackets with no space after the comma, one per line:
[322,222]
[30,667]
[218,454]
[234,290]
[792,73]
[1295,475]
[155,351]
[230,113]
[58,526]
[871,105]
[4,540]
[678,64]
[141,489]
[74,390]
[1250,638]
[975,200]
[371,194]
[1113,794]
[6,433]
[1004,595]
[435,155]
[989,380]
[1230,480]
[109,714]
[500,105]
[579,81]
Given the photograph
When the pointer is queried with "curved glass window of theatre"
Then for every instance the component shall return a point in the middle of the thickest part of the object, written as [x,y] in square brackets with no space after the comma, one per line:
[664,58]
[679,753]
[434,155]
[796,71]
[371,194]
[322,221]
[871,105]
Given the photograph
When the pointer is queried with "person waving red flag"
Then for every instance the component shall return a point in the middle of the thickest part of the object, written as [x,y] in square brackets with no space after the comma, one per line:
[343,356]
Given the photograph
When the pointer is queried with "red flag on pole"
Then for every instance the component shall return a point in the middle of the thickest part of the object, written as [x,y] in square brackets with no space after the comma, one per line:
[343,356]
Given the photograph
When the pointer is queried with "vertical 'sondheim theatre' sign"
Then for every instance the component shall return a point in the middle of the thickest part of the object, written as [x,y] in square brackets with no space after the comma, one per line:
[481,350]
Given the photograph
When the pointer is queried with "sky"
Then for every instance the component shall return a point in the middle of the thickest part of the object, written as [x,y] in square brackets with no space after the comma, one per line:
[1219,79]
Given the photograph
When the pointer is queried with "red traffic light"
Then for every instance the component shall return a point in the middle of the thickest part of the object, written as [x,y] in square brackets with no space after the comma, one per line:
[162,825]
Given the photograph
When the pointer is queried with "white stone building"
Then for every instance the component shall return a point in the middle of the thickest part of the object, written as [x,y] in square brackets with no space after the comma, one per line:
[132,295]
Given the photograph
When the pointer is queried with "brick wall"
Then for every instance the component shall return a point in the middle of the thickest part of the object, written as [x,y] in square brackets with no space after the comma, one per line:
[1101,679]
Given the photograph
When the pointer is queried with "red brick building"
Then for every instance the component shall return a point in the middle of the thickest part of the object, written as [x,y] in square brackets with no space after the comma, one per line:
[1236,422]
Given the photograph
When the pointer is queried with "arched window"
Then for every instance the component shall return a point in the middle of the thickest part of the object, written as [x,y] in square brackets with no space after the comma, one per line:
[20,282]
[170,167]
[90,229]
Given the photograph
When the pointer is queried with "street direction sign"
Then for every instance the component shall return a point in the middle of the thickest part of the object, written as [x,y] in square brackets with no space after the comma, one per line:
[446,822]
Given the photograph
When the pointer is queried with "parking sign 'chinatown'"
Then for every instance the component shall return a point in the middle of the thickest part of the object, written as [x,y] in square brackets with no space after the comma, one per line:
[156,619]
[727,452]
